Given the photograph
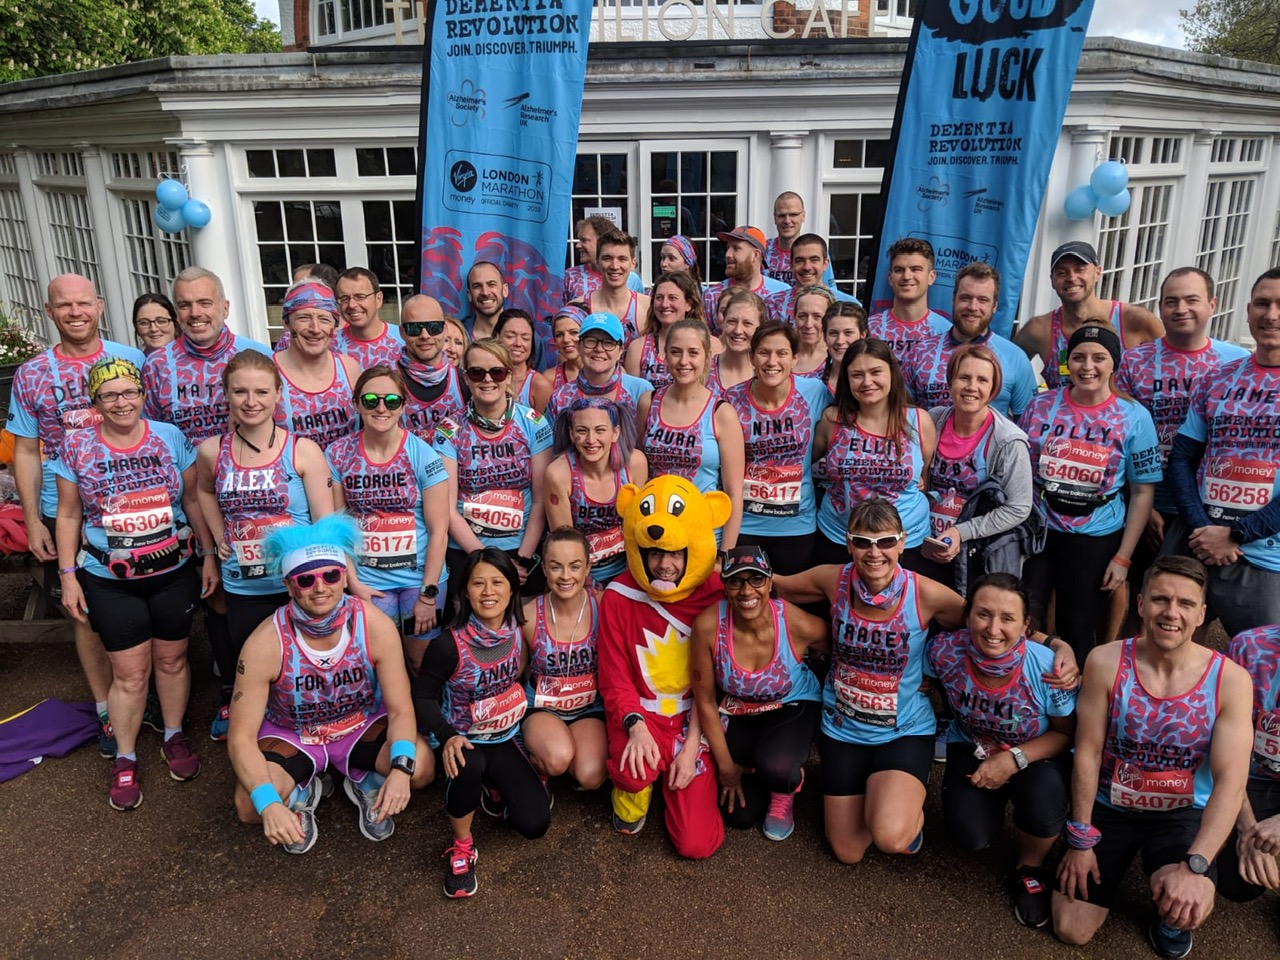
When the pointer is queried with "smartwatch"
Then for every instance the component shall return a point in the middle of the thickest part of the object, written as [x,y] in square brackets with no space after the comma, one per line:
[1019,758]
[630,720]
[1196,864]
[431,591]
[403,764]
[1235,534]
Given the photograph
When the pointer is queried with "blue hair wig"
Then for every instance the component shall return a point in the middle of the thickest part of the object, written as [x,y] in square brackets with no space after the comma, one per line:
[338,530]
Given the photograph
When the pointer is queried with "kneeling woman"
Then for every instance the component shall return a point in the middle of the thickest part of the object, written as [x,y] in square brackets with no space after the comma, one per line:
[1010,738]
[752,649]
[877,724]
[564,732]
[470,699]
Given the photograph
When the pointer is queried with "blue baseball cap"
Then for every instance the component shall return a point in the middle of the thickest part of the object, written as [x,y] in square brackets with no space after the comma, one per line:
[601,322]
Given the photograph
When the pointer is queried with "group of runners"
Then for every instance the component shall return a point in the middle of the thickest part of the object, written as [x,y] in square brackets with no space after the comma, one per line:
[406,539]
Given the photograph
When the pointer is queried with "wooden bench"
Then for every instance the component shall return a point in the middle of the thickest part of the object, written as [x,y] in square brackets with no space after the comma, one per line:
[41,621]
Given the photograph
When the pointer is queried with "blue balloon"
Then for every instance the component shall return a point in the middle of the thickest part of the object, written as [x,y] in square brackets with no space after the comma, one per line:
[171,194]
[1115,206]
[170,221]
[1109,179]
[1080,203]
[196,213]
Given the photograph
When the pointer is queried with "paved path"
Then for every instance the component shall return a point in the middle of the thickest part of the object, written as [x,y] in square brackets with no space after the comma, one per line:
[179,877]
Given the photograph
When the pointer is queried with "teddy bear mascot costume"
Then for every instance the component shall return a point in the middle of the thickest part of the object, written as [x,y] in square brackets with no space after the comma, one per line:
[646,617]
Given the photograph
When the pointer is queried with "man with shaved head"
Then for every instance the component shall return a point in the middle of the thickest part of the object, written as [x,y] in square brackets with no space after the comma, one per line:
[436,391]
[50,399]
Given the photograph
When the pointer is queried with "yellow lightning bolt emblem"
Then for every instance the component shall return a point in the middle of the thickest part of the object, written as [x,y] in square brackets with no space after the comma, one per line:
[664,661]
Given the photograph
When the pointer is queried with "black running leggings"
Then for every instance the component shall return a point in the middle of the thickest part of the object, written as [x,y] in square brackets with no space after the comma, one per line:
[975,816]
[504,767]
[776,745]
[1071,568]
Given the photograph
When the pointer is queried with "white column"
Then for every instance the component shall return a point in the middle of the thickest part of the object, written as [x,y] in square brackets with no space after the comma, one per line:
[786,153]
[214,247]
[1088,149]
[111,270]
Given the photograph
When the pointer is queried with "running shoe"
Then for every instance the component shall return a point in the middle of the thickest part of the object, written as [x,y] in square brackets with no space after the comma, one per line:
[916,844]
[491,802]
[940,746]
[125,793]
[364,799]
[460,874]
[182,760]
[152,716]
[304,807]
[628,828]
[106,737]
[780,819]
[1169,941]
[1031,898]
[221,723]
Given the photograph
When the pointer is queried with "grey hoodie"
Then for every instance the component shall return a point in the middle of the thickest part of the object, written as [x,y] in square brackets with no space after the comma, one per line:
[1009,464]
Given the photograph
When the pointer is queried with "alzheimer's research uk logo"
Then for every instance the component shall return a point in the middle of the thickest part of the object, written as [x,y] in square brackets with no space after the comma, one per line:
[935,191]
[467,103]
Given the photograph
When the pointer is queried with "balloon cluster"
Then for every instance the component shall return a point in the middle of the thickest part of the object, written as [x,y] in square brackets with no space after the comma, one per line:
[175,210]
[1106,192]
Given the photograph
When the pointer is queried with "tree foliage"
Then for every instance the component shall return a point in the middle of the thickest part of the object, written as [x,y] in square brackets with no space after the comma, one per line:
[1247,29]
[59,36]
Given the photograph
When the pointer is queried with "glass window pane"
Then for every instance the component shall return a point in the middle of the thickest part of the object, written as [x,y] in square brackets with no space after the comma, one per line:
[297,220]
[321,163]
[262,163]
[585,174]
[300,253]
[724,171]
[846,154]
[377,220]
[877,153]
[693,216]
[662,172]
[844,213]
[613,173]
[404,213]
[290,163]
[329,221]
[382,262]
[370,162]
[723,212]
[872,213]
[274,268]
[266,215]
[693,172]
[334,254]
[401,161]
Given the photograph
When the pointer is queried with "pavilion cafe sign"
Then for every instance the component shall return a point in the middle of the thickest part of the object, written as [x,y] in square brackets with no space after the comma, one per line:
[674,19]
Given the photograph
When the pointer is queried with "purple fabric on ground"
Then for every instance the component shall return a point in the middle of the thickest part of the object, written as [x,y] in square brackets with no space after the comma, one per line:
[49,729]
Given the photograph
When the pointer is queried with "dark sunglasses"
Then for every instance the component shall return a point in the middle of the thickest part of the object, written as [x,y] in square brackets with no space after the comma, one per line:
[308,580]
[736,584]
[370,401]
[496,374]
[414,328]
[866,543]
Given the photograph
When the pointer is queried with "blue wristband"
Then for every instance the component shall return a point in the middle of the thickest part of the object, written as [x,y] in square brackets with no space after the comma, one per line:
[264,796]
[403,748]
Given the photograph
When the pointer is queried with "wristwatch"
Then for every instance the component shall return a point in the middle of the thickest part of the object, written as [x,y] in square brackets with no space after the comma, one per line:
[1235,534]
[1196,864]
[431,591]
[403,764]
[1019,757]
[631,719]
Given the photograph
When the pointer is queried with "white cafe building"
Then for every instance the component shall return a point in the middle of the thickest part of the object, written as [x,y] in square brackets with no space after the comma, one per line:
[702,114]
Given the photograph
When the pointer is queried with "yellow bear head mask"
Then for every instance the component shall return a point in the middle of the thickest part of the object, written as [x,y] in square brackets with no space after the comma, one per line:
[669,513]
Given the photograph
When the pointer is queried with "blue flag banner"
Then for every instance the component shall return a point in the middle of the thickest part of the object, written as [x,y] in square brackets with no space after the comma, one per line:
[986,87]
[502,97]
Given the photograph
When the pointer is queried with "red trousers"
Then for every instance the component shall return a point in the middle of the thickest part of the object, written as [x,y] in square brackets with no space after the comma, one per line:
[692,816]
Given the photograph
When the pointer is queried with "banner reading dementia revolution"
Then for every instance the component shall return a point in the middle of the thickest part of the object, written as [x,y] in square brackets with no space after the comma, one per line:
[986,86]
[502,93]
